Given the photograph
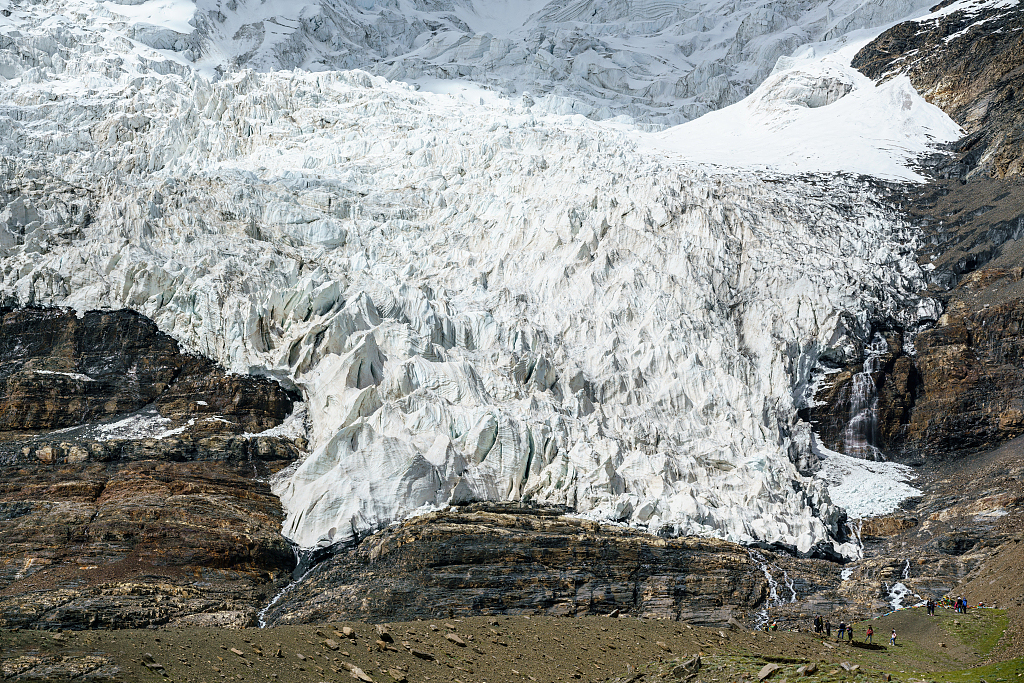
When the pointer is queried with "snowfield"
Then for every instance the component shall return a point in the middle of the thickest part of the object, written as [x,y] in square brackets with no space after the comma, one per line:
[477,296]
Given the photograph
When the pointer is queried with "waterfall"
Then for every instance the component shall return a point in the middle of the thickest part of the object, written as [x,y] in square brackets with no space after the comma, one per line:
[790,584]
[773,599]
[261,616]
[899,591]
[854,526]
[861,433]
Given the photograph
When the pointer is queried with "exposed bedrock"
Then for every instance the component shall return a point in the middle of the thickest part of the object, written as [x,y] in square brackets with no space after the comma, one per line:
[970,63]
[129,494]
[58,370]
[888,378]
[502,559]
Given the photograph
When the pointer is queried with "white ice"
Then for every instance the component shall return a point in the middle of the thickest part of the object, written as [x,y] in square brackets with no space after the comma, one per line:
[477,296]
[865,488]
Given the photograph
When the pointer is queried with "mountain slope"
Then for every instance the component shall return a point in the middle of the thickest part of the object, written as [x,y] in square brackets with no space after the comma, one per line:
[659,63]
[477,300]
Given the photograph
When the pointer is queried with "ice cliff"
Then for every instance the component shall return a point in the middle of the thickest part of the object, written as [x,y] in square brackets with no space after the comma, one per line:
[477,299]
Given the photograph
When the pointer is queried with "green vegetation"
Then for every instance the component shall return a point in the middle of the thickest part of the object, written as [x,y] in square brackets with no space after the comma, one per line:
[1010,670]
[946,648]
[979,629]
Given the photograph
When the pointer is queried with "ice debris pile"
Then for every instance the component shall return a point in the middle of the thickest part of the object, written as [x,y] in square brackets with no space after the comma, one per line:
[476,301]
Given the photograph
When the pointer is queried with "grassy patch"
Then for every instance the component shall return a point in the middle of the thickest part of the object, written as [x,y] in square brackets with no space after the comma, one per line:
[1010,670]
[722,668]
[979,630]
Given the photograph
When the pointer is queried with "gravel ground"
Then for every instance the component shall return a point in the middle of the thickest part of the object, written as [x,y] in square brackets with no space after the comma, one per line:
[486,649]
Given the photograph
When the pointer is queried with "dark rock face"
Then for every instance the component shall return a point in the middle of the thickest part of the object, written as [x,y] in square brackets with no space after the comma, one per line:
[57,370]
[957,390]
[973,370]
[962,391]
[103,530]
[894,380]
[970,63]
[501,559]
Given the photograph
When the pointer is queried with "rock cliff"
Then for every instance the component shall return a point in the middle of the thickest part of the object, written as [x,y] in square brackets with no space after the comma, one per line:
[967,58]
[60,370]
[494,559]
[130,494]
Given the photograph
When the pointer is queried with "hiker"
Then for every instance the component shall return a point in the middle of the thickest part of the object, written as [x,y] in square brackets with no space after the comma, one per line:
[828,628]
[869,633]
[849,633]
[818,624]
[841,632]
[892,638]
[931,607]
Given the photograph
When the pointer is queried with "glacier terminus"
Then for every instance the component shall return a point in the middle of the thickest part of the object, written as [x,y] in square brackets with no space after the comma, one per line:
[579,253]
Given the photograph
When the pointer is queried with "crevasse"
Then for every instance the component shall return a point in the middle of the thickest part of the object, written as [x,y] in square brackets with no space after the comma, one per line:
[476,302]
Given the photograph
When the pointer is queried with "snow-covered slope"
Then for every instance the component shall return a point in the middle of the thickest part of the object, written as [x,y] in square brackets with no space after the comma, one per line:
[477,299]
[817,114]
[658,62]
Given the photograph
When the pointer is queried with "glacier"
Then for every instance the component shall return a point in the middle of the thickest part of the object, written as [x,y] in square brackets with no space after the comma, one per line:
[478,297]
[656,63]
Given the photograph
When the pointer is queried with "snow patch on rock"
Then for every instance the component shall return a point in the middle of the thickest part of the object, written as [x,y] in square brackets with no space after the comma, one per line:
[864,488]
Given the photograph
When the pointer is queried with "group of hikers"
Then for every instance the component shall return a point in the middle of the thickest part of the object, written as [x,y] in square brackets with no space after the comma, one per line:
[824,626]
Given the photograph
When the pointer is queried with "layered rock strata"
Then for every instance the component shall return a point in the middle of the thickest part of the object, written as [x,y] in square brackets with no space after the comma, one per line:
[506,559]
[130,494]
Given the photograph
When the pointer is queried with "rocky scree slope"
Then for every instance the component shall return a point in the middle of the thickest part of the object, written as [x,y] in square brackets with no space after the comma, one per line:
[131,494]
